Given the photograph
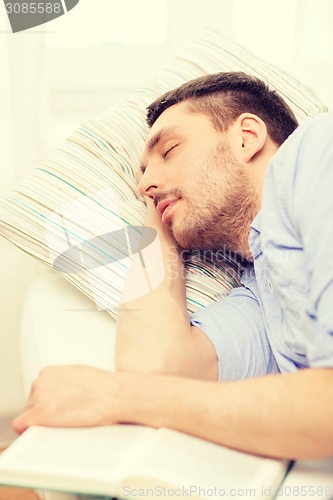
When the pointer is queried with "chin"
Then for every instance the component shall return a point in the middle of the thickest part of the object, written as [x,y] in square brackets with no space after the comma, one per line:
[204,242]
[184,241]
[195,242]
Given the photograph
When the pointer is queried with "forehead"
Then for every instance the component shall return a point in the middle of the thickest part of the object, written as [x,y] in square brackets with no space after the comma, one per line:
[179,115]
[178,120]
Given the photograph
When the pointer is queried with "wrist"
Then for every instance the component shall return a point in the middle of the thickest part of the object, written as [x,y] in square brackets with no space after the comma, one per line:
[146,398]
[152,216]
[153,220]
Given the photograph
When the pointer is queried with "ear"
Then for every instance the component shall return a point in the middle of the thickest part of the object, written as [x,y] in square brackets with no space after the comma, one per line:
[251,135]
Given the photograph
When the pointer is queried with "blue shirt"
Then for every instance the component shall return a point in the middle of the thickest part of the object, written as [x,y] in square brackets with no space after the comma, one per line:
[282,319]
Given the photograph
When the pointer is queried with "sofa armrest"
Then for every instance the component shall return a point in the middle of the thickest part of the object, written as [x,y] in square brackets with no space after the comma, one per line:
[62,326]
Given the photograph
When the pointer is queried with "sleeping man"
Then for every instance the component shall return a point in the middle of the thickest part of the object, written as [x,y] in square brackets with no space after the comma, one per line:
[225,167]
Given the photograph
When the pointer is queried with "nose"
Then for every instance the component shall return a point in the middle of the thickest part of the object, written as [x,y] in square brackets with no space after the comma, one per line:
[145,187]
[150,182]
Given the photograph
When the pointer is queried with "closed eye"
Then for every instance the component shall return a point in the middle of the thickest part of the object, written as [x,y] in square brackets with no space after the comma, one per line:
[165,154]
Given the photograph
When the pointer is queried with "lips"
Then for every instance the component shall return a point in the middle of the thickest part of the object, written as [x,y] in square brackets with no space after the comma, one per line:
[165,206]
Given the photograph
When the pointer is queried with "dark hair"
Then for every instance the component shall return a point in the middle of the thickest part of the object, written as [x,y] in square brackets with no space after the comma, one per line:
[225,96]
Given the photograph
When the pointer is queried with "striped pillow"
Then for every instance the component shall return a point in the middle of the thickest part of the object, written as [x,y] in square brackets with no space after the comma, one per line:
[65,211]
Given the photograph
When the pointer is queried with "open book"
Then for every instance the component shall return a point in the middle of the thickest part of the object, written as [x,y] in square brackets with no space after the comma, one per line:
[128,461]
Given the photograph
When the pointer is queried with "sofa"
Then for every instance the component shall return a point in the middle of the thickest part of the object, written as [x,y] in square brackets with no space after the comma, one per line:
[62,326]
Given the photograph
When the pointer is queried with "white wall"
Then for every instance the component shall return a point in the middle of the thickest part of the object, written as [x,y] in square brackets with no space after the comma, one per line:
[53,89]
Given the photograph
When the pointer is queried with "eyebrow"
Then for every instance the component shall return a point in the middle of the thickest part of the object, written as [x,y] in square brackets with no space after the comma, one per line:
[156,139]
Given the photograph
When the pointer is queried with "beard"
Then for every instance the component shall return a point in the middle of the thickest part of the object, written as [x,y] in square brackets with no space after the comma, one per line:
[219,215]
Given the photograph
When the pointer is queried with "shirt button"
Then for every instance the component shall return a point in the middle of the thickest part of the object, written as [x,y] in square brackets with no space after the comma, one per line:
[270,286]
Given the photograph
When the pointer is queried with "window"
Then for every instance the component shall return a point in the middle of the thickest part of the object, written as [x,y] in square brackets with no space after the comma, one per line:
[101,50]
[118,45]
[111,23]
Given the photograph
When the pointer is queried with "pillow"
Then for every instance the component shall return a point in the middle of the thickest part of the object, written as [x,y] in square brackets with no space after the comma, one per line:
[73,211]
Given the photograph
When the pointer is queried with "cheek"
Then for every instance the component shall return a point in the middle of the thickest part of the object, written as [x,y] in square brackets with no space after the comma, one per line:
[181,171]
[194,175]
[193,167]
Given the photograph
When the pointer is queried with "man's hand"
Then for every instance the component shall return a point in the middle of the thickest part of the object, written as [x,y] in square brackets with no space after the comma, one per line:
[72,396]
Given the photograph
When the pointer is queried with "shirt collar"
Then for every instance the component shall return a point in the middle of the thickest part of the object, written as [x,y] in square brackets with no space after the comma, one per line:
[256,223]
[254,237]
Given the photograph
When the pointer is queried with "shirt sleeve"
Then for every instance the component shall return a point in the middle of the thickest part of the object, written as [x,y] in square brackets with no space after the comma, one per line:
[236,329]
[313,217]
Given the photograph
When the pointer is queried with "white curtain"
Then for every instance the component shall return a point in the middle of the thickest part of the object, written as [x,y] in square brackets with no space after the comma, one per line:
[6,170]
[21,94]
[26,73]
[313,46]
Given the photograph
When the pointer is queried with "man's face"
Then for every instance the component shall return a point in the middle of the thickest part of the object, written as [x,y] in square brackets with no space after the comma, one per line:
[201,192]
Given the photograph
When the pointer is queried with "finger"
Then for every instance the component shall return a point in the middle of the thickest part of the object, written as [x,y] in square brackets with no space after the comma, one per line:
[23,421]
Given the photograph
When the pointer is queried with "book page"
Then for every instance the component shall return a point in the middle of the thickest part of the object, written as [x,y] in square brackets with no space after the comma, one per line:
[86,460]
[309,479]
[194,467]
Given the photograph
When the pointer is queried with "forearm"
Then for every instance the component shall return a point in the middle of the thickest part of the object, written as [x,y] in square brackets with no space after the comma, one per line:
[288,416]
[285,416]
[152,317]
[153,328]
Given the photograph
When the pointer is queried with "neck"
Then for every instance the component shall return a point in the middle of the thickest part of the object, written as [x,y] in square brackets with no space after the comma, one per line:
[261,168]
